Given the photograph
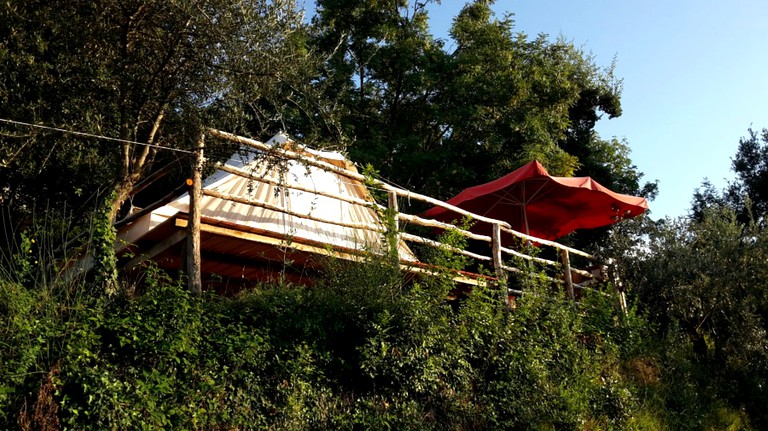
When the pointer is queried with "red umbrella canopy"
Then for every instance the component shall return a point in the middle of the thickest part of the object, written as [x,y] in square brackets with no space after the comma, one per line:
[547,207]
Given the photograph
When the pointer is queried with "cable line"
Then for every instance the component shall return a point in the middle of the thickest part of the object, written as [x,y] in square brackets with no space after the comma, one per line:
[91,135]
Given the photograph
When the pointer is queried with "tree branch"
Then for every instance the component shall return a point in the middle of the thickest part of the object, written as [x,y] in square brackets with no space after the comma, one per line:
[139,162]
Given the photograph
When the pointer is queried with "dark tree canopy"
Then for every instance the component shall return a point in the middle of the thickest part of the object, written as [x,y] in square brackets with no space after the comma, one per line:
[369,77]
[151,71]
[438,121]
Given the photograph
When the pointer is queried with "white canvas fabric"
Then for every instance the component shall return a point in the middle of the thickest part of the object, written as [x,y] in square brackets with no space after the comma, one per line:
[286,173]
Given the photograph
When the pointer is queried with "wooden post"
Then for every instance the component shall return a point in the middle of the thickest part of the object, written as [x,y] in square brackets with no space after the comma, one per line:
[193,229]
[392,204]
[394,246]
[566,260]
[613,275]
[498,263]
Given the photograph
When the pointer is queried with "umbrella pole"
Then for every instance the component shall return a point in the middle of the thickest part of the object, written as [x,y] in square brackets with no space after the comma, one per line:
[525,219]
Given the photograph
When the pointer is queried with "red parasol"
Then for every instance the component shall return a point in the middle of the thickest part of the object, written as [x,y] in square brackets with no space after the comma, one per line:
[547,207]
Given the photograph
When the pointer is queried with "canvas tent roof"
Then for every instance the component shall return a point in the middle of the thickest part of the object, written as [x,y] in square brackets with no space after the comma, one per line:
[276,192]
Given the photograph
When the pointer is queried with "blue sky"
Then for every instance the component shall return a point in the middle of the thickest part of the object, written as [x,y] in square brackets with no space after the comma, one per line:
[695,78]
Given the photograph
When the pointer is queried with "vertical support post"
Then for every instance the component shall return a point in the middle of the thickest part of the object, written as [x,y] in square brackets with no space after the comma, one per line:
[394,237]
[618,287]
[193,232]
[566,260]
[392,205]
[498,263]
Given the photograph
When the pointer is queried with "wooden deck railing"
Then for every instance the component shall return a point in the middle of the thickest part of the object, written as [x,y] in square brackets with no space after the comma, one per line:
[501,256]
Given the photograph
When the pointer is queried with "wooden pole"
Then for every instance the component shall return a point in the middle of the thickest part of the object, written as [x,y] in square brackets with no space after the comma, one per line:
[392,204]
[566,259]
[437,244]
[394,223]
[621,297]
[193,229]
[498,264]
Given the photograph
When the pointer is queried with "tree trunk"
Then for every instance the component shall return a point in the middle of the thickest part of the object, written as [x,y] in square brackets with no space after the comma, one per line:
[698,342]
[122,191]
[132,167]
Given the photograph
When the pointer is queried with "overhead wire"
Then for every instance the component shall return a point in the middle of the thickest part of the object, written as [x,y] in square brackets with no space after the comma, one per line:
[93,136]
[125,141]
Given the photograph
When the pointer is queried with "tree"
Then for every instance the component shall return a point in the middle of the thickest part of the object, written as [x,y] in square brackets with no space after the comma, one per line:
[706,280]
[151,73]
[384,70]
[705,198]
[495,102]
[748,193]
[751,168]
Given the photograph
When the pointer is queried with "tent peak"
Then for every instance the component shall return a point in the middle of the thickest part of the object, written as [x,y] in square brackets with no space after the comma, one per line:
[280,139]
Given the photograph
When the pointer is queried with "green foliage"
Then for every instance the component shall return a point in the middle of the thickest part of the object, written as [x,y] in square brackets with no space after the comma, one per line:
[496,101]
[166,359]
[151,72]
[24,261]
[751,168]
[361,349]
[25,330]
[703,283]
[35,323]
[31,254]
[747,193]
[103,239]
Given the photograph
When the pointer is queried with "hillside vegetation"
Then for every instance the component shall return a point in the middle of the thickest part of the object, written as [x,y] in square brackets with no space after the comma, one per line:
[365,350]
[97,96]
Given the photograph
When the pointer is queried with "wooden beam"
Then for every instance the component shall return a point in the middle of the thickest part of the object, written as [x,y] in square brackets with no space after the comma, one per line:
[435,272]
[277,242]
[541,241]
[437,244]
[621,297]
[393,238]
[282,152]
[392,205]
[438,224]
[527,257]
[148,209]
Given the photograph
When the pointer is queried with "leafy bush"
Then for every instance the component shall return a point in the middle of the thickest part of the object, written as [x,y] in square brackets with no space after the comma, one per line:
[362,349]
[703,284]
[166,359]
